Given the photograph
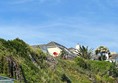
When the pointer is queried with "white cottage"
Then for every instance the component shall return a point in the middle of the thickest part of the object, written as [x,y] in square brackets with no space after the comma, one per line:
[53,49]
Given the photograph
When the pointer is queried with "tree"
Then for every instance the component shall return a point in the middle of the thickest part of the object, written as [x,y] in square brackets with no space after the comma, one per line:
[102,50]
[85,52]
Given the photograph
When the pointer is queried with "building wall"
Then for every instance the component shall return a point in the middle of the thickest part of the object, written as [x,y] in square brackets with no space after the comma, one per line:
[55,49]
[77,47]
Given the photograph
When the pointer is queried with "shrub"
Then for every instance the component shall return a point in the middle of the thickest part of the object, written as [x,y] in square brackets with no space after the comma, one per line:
[82,63]
[64,78]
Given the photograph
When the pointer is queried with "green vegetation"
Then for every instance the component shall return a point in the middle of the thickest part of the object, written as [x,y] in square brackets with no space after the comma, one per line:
[98,71]
[26,64]
[85,52]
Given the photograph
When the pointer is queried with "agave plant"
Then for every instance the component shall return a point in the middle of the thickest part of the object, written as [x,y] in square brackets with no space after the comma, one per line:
[85,52]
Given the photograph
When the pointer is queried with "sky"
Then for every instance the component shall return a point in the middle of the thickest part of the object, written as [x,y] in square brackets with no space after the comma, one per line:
[87,22]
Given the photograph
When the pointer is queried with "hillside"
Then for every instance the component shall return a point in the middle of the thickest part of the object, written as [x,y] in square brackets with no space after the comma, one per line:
[25,64]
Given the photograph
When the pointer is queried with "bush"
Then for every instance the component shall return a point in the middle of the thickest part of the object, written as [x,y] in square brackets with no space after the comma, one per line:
[64,78]
[82,63]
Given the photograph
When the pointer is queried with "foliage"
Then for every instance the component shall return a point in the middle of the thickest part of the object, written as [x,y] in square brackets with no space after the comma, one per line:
[82,63]
[85,52]
[65,78]
[26,64]
[98,71]
[113,71]
[63,54]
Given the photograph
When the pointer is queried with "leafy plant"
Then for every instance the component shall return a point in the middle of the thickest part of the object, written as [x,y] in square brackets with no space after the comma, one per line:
[85,52]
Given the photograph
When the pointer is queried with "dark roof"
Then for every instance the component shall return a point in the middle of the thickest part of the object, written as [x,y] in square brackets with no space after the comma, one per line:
[51,44]
[71,49]
[36,46]
[54,44]
[43,47]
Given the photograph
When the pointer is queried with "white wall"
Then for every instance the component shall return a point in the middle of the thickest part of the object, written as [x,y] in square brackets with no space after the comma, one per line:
[52,50]
[77,47]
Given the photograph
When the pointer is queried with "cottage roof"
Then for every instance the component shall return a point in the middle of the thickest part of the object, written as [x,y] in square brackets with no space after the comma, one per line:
[36,46]
[43,47]
[54,44]
[114,56]
[51,44]
[71,49]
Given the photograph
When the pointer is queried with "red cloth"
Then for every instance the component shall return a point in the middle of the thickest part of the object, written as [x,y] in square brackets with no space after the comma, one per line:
[55,54]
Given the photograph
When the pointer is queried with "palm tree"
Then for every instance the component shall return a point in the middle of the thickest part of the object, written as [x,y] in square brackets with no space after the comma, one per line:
[102,50]
[85,52]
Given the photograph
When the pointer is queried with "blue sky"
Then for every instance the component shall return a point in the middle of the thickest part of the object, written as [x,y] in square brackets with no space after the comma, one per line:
[68,22]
